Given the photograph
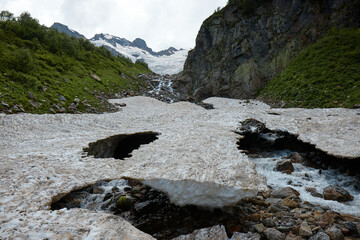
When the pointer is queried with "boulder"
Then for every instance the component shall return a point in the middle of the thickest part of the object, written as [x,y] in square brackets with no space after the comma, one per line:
[284,166]
[285,193]
[337,193]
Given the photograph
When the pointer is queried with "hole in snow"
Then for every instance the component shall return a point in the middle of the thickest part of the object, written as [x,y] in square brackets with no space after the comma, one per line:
[151,211]
[120,146]
[286,161]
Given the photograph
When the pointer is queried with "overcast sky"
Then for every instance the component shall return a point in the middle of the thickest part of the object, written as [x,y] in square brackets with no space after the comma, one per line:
[161,23]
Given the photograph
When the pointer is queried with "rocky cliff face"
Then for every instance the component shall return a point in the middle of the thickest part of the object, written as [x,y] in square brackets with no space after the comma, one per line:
[246,44]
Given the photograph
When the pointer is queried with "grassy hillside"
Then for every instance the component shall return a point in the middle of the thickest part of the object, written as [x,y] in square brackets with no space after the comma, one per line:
[44,71]
[326,74]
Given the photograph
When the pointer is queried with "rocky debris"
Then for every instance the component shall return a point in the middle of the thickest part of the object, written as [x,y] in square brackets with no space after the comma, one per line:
[151,211]
[314,192]
[285,166]
[236,54]
[94,76]
[337,193]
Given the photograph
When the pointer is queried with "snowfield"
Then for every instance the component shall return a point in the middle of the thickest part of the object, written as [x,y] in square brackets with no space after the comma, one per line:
[159,64]
[194,161]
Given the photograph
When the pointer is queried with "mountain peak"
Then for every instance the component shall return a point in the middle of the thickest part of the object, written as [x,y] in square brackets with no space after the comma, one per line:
[65,29]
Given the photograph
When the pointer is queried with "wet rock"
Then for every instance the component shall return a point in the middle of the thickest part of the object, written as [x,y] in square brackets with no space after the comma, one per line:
[297,158]
[124,203]
[284,166]
[320,236]
[285,193]
[289,203]
[273,234]
[314,192]
[337,193]
[351,228]
[305,230]
[335,233]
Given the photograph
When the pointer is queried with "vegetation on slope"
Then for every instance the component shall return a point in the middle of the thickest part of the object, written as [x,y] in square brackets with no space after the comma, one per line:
[326,74]
[44,71]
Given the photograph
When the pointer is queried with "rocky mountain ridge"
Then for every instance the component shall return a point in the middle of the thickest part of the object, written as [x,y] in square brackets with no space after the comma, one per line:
[168,61]
[246,44]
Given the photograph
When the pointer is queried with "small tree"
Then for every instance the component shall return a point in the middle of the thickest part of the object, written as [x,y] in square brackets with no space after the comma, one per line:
[6,16]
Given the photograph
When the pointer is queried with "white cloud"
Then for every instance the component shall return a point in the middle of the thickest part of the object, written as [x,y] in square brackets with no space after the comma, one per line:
[162,23]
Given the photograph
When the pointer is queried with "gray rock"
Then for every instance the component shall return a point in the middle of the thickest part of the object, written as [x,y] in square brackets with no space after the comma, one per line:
[62,98]
[335,233]
[320,236]
[273,234]
[245,236]
[237,54]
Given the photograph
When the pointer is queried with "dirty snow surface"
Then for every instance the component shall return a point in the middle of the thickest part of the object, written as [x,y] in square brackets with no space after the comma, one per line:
[194,161]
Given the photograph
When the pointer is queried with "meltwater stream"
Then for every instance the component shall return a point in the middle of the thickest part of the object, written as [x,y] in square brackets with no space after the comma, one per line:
[315,172]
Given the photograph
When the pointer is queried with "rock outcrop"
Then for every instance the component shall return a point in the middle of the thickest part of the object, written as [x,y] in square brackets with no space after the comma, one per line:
[244,45]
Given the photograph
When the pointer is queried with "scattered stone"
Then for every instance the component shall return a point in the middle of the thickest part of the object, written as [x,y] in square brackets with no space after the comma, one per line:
[356,106]
[273,234]
[5,104]
[284,193]
[260,228]
[31,95]
[289,203]
[95,77]
[320,236]
[62,98]
[285,166]
[335,233]
[52,110]
[34,104]
[337,193]
[305,230]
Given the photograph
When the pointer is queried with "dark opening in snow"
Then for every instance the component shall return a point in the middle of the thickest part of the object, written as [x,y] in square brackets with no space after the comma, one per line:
[259,141]
[120,146]
[151,211]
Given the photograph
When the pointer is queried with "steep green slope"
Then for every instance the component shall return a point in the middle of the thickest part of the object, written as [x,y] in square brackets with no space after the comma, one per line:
[44,71]
[326,74]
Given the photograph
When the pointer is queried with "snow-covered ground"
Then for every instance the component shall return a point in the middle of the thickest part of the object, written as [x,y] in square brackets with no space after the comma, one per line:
[194,161]
[159,64]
